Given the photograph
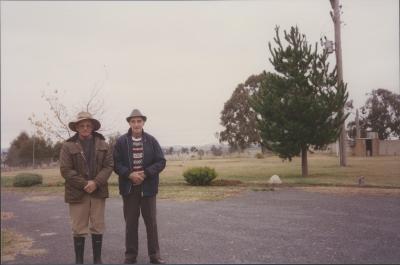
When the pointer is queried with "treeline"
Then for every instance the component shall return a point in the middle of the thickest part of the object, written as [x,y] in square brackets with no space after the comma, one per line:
[35,150]
[214,150]
[380,113]
[28,150]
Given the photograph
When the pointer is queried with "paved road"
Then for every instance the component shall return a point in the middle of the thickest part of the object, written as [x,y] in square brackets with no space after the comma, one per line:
[284,226]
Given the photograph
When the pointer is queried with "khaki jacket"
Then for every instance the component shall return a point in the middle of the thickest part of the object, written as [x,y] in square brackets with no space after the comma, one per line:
[73,168]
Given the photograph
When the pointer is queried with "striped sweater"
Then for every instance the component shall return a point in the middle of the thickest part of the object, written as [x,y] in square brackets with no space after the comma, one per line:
[137,151]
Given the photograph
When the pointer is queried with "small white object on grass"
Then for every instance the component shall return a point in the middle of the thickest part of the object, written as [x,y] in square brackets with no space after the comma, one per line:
[361,180]
[48,234]
[275,180]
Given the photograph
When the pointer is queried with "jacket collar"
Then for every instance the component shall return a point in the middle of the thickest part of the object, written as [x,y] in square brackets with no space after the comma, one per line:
[74,138]
[129,134]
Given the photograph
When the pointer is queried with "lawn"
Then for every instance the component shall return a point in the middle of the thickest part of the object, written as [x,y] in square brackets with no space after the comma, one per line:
[13,243]
[324,170]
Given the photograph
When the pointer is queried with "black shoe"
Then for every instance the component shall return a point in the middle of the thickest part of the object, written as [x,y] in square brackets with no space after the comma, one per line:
[79,246]
[157,261]
[97,241]
[129,261]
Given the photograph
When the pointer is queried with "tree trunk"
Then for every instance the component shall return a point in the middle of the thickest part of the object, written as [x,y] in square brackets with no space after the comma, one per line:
[304,163]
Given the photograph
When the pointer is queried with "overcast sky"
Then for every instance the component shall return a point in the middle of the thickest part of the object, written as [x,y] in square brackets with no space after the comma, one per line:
[178,62]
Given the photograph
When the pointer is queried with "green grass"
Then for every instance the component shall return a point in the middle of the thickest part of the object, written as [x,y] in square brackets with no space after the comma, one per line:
[7,181]
[253,174]
[325,170]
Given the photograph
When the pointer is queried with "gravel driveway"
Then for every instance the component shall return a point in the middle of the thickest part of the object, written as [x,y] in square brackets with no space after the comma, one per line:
[284,226]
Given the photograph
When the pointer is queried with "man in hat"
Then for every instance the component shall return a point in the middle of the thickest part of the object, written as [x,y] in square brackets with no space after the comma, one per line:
[86,164]
[138,160]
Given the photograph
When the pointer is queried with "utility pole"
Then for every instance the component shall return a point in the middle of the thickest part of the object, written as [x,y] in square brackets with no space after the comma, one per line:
[358,133]
[338,50]
[33,151]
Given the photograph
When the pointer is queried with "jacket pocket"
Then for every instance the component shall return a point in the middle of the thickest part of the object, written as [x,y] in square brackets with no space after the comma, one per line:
[101,152]
[125,185]
[79,164]
[150,186]
[73,194]
[100,156]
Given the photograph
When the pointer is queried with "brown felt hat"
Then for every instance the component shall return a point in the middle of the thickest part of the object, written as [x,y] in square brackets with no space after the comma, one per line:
[136,113]
[83,115]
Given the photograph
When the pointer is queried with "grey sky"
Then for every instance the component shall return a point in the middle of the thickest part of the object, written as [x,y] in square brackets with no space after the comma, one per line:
[178,62]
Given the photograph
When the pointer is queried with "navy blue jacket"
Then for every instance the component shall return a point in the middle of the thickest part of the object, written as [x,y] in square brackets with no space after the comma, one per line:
[153,163]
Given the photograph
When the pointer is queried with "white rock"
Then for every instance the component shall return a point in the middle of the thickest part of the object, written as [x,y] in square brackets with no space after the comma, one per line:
[275,180]
[48,234]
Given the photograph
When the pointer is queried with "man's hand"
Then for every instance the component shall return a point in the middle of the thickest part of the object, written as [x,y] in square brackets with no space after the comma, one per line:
[90,186]
[137,177]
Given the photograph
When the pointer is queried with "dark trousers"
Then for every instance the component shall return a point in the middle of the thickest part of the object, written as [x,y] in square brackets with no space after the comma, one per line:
[133,204]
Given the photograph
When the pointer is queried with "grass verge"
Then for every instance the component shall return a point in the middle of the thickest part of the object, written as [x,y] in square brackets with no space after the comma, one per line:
[238,174]
[13,243]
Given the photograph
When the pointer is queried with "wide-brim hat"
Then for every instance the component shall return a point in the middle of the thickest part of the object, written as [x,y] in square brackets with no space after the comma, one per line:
[136,113]
[83,115]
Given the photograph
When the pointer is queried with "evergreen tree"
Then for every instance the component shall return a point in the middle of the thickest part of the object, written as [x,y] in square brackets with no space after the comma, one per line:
[56,150]
[299,106]
[17,153]
[24,148]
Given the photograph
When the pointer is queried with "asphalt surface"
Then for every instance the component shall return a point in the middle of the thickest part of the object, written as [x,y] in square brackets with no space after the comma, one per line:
[283,226]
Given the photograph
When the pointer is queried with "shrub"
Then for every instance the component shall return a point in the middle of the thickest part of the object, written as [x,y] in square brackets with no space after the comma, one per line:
[199,176]
[27,180]
[259,156]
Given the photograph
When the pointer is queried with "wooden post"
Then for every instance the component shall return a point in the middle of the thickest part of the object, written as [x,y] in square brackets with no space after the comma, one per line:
[358,133]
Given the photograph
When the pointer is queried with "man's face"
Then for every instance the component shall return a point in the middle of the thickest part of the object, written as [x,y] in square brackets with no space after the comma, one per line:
[136,124]
[84,128]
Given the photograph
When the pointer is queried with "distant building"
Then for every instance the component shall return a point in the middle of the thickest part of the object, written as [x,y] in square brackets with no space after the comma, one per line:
[4,154]
[372,146]
[389,147]
[368,146]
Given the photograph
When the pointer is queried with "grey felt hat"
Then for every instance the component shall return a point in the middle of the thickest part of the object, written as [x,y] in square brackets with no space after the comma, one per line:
[83,115]
[136,113]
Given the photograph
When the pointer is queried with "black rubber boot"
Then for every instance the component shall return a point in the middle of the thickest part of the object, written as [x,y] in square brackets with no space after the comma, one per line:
[97,241]
[79,245]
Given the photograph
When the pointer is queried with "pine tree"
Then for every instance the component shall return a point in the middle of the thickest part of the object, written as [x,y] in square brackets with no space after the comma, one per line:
[299,106]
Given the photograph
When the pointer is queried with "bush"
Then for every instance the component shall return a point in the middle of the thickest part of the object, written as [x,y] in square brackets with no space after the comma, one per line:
[199,176]
[27,180]
[259,156]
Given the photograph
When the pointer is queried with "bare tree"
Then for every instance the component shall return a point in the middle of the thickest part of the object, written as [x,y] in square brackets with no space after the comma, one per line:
[55,123]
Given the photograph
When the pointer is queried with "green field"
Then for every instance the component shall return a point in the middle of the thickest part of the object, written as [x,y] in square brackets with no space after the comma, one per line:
[324,170]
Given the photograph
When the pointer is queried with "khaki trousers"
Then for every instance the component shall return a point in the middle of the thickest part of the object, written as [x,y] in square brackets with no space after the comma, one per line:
[87,216]
[133,204]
